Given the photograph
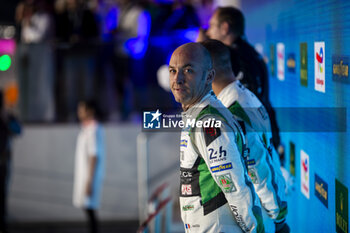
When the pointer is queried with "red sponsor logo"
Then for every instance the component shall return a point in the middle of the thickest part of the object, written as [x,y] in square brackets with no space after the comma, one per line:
[210,131]
[319,81]
[186,189]
[305,188]
[223,181]
[280,55]
[305,165]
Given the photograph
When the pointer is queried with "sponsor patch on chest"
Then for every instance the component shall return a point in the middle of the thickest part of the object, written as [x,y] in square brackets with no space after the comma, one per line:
[210,134]
[186,189]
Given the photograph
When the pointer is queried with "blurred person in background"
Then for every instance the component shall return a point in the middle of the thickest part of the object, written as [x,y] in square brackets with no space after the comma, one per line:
[204,9]
[227,25]
[35,60]
[106,90]
[77,32]
[183,16]
[216,192]
[9,127]
[133,27]
[123,32]
[89,163]
[132,38]
[264,167]
[76,20]
[35,21]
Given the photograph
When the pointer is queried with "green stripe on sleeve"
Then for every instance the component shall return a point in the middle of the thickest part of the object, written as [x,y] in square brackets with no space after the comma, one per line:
[207,185]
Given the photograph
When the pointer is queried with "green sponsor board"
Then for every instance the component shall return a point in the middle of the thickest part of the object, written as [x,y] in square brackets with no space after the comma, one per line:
[272,60]
[341,208]
[303,64]
[292,158]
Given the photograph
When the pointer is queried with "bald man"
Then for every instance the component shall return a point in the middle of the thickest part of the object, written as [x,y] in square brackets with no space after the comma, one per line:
[217,194]
[263,162]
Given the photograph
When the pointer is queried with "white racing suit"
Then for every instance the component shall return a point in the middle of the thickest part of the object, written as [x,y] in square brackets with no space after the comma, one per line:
[263,162]
[216,193]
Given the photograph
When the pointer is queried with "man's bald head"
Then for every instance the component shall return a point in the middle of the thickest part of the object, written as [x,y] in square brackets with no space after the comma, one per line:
[195,52]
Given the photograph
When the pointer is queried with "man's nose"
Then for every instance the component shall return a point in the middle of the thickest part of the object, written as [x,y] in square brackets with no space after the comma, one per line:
[179,78]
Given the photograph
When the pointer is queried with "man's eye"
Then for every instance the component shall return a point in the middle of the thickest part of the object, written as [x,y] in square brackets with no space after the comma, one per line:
[189,71]
[172,71]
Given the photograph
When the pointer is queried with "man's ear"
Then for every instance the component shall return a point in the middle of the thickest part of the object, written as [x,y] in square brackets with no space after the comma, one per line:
[224,28]
[210,76]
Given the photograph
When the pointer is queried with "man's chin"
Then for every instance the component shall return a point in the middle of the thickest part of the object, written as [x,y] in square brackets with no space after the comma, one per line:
[179,99]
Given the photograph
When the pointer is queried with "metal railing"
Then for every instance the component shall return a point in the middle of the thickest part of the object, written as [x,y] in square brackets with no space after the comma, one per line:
[159,218]
[155,214]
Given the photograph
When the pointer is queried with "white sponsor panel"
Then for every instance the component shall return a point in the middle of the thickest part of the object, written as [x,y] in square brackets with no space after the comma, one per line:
[305,174]
[280,61]
[320,60]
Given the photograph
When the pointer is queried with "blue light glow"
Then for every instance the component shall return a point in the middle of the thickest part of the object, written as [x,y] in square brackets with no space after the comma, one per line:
[137,47]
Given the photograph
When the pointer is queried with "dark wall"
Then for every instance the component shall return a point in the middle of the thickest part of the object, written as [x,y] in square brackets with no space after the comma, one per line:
[7,11]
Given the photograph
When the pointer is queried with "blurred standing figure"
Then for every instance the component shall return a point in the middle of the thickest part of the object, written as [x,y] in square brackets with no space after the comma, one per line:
[204,9]
[9,126]
[35,60]
[227,25]
[77,29]
[131,44]
[35,21]
[89,163]
[183,16]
